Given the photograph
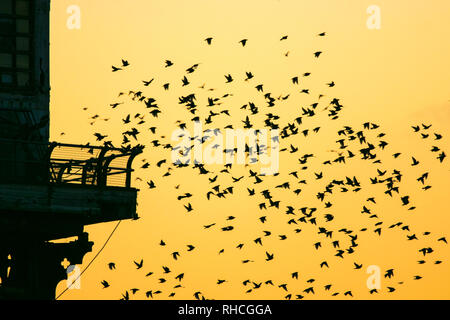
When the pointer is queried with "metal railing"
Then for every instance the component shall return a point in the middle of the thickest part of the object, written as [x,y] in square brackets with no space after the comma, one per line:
[35,162]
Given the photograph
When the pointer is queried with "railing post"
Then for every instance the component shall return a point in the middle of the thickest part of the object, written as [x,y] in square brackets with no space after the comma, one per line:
[99,168]
[136,151]
[48,160]
[61,171]
[83,175]
[105,169]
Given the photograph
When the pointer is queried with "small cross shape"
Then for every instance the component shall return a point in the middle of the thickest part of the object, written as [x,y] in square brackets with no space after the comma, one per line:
[65,263]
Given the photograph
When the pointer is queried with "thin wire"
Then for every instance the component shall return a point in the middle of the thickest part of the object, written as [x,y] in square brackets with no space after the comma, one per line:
[101,249]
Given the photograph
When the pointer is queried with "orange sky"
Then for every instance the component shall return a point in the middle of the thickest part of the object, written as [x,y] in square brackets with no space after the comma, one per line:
[397,76]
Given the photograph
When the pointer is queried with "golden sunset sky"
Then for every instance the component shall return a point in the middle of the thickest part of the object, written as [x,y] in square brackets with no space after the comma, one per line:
[396,76]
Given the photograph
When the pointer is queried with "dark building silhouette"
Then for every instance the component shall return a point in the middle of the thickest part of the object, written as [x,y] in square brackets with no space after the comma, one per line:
[48,191]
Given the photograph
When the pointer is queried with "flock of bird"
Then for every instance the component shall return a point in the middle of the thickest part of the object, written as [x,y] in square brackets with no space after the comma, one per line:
[366,142]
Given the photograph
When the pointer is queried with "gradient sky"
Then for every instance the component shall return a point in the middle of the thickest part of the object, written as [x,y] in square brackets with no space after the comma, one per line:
[397,76]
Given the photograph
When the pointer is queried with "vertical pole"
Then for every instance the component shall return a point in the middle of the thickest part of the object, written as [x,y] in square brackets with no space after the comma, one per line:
[99,168]
[134,153]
